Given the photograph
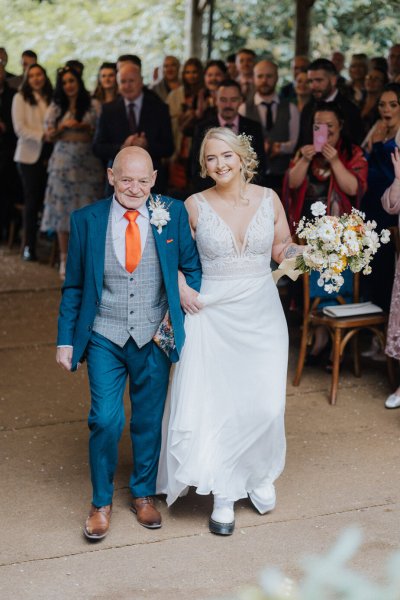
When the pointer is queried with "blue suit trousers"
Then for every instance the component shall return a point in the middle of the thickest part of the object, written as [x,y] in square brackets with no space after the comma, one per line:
[109,366]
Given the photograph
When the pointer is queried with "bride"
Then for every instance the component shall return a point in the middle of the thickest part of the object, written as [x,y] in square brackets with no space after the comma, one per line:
[227,400]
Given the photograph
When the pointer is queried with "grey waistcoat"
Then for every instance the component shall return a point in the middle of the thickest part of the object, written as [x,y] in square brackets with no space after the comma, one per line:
[132,304]
[278,133]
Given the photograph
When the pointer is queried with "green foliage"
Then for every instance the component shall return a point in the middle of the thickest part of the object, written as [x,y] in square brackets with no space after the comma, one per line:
[98,30]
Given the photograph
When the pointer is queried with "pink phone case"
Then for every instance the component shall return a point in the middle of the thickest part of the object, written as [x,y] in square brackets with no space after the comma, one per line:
[320,136]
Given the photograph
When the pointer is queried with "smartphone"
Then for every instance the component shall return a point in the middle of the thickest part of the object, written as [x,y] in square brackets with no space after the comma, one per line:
[320,136]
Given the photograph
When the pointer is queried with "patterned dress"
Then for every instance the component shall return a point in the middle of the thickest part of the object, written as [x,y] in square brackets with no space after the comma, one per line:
[75,175]
[391,203]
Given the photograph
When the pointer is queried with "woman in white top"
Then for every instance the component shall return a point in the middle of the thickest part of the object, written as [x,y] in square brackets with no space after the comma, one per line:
[32,151]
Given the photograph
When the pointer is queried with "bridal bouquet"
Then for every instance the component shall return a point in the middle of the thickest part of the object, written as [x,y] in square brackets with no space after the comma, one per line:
[337,243]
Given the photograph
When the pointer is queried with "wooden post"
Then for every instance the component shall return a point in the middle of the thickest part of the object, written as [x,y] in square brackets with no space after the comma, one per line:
[303,26]
[193,27]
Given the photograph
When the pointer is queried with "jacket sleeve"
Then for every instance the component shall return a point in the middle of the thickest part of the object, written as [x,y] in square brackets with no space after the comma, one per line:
[104,146]
[21,128]
[72,288]
[189,261]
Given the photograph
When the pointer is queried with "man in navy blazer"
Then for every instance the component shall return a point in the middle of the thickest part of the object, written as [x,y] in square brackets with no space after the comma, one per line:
[136,118]
[126,321]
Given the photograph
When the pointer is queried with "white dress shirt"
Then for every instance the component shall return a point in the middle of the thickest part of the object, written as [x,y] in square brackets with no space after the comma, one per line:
[119,225]
[138,103]
[288,146]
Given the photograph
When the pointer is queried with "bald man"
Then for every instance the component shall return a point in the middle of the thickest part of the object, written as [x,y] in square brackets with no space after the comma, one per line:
[279,119]
[138,117]
[121,311]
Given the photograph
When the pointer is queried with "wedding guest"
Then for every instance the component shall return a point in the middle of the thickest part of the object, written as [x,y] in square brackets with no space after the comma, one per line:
[107,88]
[336,176]
[322,77]
[279,119]
[379,145]
[136,118]
[394,62]
[75,175]
[302,89]
[77,65]
[28,57]
[231,66]
[375,81]
[215,73]
[8,173]
[299,63]
[4,61]
[338,59]
[33,151]
[355,88]
[184,109]
[391,203]
[170,78]
[134,59]
[379,62]
[245,61]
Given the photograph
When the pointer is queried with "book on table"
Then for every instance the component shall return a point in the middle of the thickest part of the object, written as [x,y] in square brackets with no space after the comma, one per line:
[351,310]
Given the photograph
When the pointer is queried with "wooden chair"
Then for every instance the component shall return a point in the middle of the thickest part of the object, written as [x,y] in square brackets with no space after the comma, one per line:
[341,330]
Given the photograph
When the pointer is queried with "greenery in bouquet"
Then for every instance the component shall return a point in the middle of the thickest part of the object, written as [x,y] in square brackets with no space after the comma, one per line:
[337,243]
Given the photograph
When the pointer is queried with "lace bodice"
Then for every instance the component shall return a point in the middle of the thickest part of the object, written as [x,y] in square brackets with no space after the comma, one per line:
[219,254]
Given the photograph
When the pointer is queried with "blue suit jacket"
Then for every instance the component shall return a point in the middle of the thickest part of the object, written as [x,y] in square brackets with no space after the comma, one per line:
[81,293]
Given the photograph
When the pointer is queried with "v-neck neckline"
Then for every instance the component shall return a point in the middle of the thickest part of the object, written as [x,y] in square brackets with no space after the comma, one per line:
[229,228]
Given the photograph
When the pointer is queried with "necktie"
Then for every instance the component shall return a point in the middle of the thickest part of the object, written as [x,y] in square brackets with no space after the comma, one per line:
[268,120]
[133,248]
[132,118]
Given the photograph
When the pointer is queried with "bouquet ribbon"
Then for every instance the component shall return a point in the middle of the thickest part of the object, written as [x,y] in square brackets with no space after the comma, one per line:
[287,267]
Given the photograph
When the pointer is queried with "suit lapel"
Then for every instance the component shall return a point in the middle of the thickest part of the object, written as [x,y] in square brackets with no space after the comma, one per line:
[160,241]
[97,235]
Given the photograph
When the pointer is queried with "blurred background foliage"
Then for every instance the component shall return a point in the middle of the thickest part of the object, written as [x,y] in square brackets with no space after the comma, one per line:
[97,30]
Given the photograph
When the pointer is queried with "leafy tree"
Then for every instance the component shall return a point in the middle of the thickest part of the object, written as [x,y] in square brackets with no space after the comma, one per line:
[98,30]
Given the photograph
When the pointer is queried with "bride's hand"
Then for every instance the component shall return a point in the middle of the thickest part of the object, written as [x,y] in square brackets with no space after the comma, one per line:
[189,299]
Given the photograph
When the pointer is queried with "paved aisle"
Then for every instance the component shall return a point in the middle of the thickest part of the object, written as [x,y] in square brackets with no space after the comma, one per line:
[342,468]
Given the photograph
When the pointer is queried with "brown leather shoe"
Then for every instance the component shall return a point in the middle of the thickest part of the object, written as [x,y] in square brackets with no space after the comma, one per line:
[98,522]
[146,513]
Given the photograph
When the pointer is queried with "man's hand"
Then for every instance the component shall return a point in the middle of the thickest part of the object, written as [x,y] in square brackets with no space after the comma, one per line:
[139,139]
[275,150]
[64,357]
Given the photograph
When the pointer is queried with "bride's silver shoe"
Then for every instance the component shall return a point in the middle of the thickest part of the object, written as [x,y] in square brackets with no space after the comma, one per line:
[222,520]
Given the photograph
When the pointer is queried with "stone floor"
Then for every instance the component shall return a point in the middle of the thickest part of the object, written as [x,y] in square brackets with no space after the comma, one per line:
[342,469]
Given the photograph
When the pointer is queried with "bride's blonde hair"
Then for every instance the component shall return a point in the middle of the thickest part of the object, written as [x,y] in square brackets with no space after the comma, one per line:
[239,144]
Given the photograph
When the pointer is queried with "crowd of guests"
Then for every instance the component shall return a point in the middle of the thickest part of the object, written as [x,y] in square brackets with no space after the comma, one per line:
[55,143]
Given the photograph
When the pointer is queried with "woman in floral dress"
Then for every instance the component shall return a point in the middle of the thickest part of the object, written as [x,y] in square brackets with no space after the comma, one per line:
[75,174]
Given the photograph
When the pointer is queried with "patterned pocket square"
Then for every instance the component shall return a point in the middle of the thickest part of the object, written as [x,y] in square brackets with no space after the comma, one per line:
[169,241]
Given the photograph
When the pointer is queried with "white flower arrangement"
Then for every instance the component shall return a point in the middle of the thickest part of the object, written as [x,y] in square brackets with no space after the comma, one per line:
[159,213]
[337,243]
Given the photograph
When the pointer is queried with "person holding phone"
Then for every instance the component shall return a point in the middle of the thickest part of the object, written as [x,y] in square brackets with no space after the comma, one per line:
[331,170]
[334,171]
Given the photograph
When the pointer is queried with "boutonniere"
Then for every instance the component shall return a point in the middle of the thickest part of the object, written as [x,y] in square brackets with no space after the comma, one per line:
[159,213]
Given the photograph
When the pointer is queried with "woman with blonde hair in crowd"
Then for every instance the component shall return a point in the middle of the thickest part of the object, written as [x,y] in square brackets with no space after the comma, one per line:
[226,426]
[33,150]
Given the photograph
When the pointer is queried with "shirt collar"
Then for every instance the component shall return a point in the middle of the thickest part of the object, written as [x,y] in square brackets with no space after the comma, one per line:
[258,99]
[118,210]
[137,102]
[235,122]
[332,96]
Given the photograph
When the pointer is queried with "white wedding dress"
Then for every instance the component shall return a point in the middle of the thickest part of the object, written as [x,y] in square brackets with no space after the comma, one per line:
[224,419]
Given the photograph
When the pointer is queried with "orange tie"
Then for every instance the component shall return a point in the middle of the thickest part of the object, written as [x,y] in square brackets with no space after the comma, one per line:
[133,247]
